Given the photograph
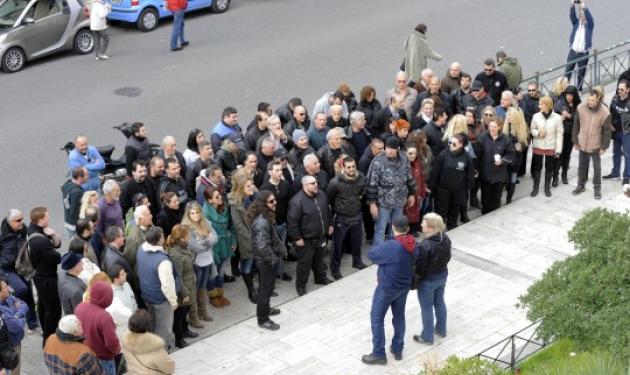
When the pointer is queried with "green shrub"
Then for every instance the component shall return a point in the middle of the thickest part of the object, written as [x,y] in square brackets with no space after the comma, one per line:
[469,366]
[586,297]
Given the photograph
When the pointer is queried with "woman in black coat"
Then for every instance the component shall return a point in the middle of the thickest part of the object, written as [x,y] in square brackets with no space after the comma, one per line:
[496,154]
[368,104]
[566,106]
[169,215]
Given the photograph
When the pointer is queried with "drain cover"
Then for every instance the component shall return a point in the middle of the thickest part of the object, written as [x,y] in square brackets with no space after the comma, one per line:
[129,91]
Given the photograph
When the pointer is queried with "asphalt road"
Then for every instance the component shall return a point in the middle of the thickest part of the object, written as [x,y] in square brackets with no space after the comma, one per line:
[265,50]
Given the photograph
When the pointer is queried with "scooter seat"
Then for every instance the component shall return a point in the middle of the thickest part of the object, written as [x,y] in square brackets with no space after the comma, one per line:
[105,151]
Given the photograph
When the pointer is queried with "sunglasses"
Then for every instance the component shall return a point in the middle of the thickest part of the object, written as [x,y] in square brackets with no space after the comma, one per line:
[532,90]
[488,70]
[18,220]
[488,114]
[475,90]
[301,114]
[271,201]
[451,143]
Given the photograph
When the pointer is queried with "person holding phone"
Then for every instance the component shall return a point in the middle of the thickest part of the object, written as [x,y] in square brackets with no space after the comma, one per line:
[580,40]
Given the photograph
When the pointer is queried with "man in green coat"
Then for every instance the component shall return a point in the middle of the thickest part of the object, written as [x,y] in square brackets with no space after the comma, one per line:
[511,68]
[417,51]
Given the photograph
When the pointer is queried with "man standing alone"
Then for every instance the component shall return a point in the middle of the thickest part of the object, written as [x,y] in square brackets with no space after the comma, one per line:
[178,7]
[581,40]
[98,25]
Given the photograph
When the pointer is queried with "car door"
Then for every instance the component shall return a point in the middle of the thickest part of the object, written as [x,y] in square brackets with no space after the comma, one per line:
[50,20]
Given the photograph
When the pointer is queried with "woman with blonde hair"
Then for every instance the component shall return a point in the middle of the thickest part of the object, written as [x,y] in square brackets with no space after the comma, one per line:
[201,240]
[241,196]
[89,198]
[516,128]
[431,268]
[559,87]
[457,125]
[488,114]
[547,131]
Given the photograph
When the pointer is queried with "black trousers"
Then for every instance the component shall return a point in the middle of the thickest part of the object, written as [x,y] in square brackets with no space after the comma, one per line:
[567,148]
[523,169]
[266,284]
[447,204]
[539,160]
[350,235]
[490,196]
[368,222]
[180,322]
[48,305]
[310,257]
[584,161]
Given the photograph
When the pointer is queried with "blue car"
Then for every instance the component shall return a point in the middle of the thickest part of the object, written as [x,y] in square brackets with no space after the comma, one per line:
[146,14]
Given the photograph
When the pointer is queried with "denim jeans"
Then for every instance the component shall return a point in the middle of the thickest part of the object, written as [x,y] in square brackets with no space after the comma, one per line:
[108,365]
[621,149]
[245,265]
[384,222]
[580,65]
[215,277]
[178,29]
[23,290]
[382,300]
[431,296]
[201,273]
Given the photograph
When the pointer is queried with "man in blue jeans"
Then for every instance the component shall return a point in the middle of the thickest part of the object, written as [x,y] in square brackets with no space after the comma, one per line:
[390,186]
[620,120]
[178,7]
[395,259]
[580,40]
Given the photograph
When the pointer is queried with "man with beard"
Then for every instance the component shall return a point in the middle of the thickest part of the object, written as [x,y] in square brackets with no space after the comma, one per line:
[173,182]
[85,155]
[345,193]
[257,131]
[137,147]
[72,193]
[211,176]
[457,95]
[494,82]
[138,184]
[476,100]
[308,228]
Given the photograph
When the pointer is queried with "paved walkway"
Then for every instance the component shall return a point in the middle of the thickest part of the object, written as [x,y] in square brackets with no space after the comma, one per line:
[495,258]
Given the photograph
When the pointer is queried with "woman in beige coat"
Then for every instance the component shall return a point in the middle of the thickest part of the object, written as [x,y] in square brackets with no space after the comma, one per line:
[145,352]
[547,130]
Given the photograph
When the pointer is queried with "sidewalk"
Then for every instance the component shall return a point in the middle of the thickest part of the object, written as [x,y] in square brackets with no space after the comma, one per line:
[495,258]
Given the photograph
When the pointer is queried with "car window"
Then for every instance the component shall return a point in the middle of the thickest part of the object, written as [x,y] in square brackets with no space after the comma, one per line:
[45,8]
[10,10]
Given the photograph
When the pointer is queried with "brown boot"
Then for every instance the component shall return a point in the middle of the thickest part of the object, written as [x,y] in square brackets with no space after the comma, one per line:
[224,301]
[202,310]
[193,317]
[214,298]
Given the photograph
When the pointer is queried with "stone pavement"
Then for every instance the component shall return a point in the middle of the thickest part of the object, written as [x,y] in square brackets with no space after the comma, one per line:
[495,258]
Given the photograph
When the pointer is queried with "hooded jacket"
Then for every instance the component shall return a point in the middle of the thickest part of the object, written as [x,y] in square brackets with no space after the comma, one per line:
[146,354]
[433,258]
[512,70]
[10,243]
[390,181]
[395,259]
[98,326]
[72,194]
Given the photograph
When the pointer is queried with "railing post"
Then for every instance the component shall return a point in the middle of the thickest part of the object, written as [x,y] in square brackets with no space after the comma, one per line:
[596,69]
[538,80]
[513,352]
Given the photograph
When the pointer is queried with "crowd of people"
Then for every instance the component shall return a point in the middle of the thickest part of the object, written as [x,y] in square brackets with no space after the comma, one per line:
[148,256]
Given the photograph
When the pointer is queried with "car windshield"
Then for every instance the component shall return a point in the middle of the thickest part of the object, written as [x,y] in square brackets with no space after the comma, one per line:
[10,10]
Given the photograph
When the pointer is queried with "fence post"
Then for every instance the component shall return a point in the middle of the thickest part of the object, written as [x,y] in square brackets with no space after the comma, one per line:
[512,354]
[596,69]
[538,80]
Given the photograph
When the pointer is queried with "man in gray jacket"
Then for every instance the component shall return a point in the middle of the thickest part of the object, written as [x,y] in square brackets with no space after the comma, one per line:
[71,288]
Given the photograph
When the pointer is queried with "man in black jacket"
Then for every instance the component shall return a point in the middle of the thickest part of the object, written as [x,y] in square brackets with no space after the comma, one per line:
[345,193]
[476,100]
[72,192]
[175,183]
[312,167]
[308,228]
[393,110]
[257,131]
[457,95]
[138,184]
[42,243]
[494,82]
[12,238]
[335,147]
[268,249]
[137,147]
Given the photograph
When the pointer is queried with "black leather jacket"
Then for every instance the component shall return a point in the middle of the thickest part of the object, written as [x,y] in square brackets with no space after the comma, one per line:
[345,195]
[266,244]
[10,243]
[308,217]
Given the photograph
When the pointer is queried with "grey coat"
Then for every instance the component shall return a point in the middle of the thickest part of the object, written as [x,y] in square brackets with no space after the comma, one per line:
[390,182]
[71,290]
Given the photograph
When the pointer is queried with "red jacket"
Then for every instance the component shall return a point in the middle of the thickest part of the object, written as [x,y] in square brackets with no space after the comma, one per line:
[98,326]
[175,5]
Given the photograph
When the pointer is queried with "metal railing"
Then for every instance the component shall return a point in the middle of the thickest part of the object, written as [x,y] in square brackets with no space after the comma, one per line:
[515,348]
[604,66]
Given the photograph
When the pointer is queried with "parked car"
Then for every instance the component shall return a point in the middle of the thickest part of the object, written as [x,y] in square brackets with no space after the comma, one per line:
[30,29]
[146,14]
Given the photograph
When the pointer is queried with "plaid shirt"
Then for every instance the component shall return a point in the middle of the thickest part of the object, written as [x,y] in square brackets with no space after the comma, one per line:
[70,358]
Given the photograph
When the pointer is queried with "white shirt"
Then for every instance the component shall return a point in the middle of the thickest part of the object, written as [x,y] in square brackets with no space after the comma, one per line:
[579,41]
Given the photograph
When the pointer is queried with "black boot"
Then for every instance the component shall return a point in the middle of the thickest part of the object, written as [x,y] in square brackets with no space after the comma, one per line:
[536,176]
[463,213]
[510,193]
[249,283]
[565,170]
[556,172]
[548,178]
[180,343]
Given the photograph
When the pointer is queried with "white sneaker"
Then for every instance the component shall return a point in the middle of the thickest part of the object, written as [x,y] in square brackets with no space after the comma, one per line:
[104,57]
[97,57]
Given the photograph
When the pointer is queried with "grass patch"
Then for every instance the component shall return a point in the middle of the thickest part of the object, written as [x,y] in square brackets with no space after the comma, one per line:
[563,358]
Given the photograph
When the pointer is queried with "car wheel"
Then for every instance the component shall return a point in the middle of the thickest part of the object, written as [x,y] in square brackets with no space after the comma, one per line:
[220,6]
[84,42]
[13,60]
[148,19]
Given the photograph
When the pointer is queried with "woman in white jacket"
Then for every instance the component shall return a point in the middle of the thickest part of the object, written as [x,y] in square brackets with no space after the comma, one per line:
[98,25]
[547,130]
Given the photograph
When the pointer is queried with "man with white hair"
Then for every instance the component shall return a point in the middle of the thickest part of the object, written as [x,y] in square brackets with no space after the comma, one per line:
[169,150]
[401,87]
[308,227]
[451,80]
[317,133]
[85,155]
[333,149]
[312,167]
[110,212]
[425,76]
[65,352]
[507,101]
[137,234]
[356,134]
[335,117]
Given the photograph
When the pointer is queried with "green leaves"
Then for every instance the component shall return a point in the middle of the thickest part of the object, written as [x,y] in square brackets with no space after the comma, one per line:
[587,297]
